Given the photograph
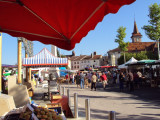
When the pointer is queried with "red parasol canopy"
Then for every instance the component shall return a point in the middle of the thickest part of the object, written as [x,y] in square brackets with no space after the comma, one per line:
[60,22]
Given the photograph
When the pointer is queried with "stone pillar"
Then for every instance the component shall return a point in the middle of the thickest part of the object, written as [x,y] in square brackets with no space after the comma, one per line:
[19,61]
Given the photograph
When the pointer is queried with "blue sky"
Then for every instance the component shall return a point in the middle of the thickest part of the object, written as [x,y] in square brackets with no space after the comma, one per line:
[101,39]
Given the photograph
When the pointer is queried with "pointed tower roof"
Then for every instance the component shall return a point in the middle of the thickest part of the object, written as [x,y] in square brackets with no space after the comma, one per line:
[135,30]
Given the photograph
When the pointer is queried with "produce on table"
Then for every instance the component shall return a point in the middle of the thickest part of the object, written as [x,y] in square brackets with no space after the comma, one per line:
[26,115]
[46,114]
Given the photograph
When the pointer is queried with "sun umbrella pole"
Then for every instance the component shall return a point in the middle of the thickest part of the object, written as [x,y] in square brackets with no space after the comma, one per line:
[26,56]
[19,60]
[30,74]
[0,62]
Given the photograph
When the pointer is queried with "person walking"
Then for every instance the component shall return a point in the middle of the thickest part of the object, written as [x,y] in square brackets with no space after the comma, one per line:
[93,81]
[73,78]
[77,78]
[139,74]
[131,81]
[82,76]
[89,76]
[104,80]
[121,81]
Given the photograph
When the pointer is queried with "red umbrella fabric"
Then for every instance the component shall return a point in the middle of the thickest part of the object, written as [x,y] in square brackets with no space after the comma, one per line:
[59,22]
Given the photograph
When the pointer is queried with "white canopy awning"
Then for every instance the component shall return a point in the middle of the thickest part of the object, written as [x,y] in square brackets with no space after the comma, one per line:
[132,60]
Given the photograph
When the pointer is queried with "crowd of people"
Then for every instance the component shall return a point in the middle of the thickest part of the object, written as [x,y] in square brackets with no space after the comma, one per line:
[125,80]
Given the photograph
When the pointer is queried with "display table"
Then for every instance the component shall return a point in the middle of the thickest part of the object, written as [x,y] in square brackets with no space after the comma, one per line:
[64,102]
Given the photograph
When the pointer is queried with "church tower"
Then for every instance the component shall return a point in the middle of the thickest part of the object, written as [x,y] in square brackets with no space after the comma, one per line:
[136,35]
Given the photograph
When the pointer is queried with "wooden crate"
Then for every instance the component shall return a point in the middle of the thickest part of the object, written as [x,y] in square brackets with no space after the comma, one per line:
[53,97]
[30,93]
[53,105]
[56,106]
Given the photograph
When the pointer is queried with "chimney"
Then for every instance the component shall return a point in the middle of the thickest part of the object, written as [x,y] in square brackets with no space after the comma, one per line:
[94,53]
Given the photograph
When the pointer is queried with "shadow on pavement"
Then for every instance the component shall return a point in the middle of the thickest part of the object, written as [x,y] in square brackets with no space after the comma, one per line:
[137,117]
[151,95]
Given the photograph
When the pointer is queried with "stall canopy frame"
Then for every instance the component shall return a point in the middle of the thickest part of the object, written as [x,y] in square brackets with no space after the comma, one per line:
[45,59]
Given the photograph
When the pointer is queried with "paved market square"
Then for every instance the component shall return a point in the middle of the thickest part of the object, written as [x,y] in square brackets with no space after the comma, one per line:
[141,104]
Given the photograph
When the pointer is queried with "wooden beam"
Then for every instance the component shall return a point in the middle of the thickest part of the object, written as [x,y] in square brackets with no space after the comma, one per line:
[19,61]
[0,62]
[26,56]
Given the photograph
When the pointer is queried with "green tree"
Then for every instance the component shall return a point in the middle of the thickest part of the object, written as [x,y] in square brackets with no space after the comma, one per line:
[153,29]
[120,40]
[143,55]
[58,54]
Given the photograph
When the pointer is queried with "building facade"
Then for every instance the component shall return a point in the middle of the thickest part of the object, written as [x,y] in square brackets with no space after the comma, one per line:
[134,47]
[83,61]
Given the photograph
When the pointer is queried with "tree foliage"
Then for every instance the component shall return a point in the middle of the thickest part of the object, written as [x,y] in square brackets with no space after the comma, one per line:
[120,40]
[58,54]
[153,29]
[143,55]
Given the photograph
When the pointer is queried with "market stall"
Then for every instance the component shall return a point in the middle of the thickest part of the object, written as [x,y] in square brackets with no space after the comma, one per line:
[38,24]
[144,66]
[44,59]
[123,66]
[155,73]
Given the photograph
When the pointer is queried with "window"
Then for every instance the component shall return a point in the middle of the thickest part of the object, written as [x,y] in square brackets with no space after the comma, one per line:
[88,61]
[74,62]
[77,66]
[77,62]
[84,61]
[94,61]
[74,66]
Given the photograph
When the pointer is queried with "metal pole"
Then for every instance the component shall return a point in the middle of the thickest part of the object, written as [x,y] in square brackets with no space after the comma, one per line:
[49,94]
[87,106]
[19,61]
[26,56]
[68,94]
[158,50]
[75,105]
[63,90]
[60,90]
[30,72]
[1,72]
[112,115]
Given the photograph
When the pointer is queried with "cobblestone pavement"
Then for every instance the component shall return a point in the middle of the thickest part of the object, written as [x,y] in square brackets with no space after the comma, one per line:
[142,104]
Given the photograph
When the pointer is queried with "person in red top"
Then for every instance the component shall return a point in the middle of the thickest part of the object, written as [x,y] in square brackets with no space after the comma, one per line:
[104,80]
[66,77]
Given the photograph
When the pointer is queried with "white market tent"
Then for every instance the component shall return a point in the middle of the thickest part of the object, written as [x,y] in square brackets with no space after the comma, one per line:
[45,59]
[123,66]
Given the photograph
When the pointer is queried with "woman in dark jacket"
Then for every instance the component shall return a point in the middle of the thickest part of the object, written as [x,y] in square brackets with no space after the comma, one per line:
[121,81]
[77,78]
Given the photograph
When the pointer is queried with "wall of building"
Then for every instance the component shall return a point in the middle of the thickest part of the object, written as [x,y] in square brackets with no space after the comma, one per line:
[75,65]
[113,58]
